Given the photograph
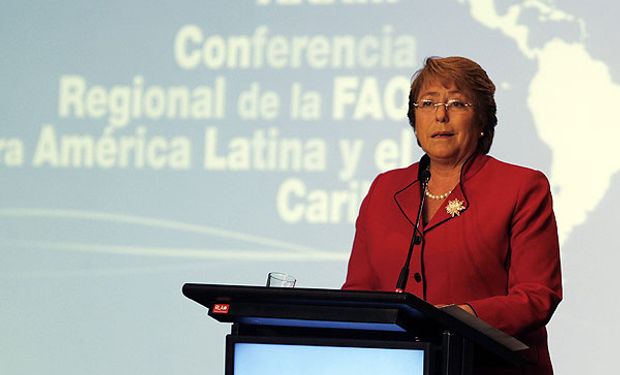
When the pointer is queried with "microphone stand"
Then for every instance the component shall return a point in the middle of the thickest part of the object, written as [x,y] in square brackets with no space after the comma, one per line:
[416,239]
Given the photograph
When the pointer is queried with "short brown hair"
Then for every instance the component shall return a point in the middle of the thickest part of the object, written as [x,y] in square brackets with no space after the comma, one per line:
[468,76]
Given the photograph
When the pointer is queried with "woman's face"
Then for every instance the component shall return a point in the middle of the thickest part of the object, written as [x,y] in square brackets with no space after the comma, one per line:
[447,136]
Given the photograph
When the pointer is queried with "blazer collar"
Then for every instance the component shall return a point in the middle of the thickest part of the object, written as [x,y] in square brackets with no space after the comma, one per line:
[408,197]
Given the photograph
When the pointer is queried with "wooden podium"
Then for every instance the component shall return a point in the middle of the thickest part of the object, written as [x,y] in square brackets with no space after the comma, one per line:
[453,341]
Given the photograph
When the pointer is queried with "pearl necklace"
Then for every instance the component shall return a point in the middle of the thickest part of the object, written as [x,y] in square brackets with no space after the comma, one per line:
[437,197]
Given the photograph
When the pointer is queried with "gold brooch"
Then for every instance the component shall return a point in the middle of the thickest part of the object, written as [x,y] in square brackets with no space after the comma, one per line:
[455,207]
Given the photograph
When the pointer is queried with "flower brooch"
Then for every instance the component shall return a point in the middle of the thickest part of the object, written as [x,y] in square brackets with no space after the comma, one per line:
[455,207]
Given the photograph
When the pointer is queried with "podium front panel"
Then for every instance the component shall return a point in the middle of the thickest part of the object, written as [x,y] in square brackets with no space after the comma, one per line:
[310,356]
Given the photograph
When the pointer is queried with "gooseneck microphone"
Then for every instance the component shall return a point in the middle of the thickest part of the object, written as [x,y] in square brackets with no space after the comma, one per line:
[424,175]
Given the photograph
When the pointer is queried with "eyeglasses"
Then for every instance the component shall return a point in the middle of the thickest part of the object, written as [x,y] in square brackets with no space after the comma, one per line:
[452,105]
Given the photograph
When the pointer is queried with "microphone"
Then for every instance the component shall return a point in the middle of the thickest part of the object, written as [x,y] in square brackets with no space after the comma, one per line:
[424,175]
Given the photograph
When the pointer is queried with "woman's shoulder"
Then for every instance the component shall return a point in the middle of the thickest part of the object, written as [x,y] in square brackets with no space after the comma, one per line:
[385,184]
[513,172]
[404,175]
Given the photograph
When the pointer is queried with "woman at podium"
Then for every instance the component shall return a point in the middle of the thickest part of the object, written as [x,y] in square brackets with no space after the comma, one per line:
[486,236]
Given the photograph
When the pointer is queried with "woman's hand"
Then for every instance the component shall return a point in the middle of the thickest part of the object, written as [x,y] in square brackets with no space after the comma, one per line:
[467,308]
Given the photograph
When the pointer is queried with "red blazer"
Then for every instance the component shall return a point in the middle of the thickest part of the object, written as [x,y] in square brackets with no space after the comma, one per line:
[500,255]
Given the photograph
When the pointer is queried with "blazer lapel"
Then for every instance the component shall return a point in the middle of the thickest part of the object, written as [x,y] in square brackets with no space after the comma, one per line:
[408,200]
[456,203]
[452,207]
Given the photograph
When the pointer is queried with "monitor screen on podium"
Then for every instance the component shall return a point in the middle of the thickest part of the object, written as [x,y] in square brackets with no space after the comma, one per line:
[338,357]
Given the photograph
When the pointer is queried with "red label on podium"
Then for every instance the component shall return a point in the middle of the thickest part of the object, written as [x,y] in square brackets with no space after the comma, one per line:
[221,308]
